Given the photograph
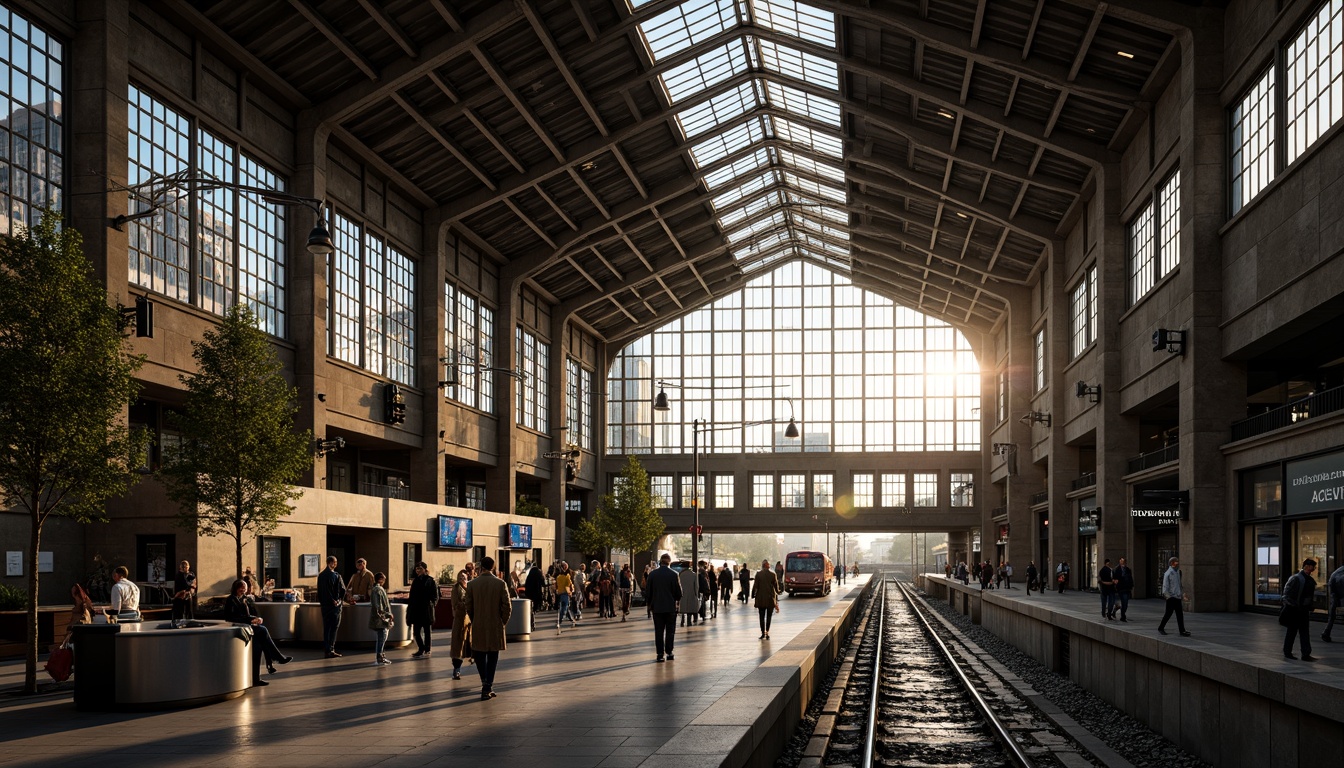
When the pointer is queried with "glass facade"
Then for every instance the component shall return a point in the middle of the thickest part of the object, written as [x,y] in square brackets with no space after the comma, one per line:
[32,131]
[533,391]
[858,372]
[468,341]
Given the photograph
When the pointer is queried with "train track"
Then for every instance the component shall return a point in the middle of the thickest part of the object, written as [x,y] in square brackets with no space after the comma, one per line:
[934,702]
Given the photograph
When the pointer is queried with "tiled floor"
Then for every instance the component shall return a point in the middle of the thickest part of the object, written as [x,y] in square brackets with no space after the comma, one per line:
[590,697]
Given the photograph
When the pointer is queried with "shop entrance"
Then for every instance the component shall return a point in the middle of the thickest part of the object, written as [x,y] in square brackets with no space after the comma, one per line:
[1162,546]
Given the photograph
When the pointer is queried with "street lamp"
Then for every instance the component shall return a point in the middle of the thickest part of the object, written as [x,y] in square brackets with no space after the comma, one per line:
[662,405]
[827,524]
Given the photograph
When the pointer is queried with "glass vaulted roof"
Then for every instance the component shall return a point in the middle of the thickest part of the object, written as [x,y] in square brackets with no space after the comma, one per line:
[760,109]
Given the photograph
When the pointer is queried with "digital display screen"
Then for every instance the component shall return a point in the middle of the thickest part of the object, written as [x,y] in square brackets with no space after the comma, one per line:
[520,536]
[454,532]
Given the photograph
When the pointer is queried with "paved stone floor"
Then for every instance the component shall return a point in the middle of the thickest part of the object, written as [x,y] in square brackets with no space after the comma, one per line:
[590,697]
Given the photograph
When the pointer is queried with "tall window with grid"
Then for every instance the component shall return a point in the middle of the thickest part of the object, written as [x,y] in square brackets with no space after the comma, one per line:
[468,349]
[1252,141]
[1169,225]
[587,396]
[1002,414]
[371,304]
[1083,302]
[692,490]
[33,131]
[533,391]
[823,490]
[1314,78]
[1038,359]
[961,489]
[661,488]
[925,489]
[724,490]
[1139,238]
[236,252]
[793,491]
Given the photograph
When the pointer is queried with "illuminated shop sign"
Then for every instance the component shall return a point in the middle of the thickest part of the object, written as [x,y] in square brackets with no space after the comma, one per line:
[1315,484]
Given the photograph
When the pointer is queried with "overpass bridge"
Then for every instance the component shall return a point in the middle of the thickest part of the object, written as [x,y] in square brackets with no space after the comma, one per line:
[801,520]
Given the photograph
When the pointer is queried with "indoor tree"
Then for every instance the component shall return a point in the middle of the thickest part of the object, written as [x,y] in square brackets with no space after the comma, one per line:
[66,379]
[629,516]
[239,455]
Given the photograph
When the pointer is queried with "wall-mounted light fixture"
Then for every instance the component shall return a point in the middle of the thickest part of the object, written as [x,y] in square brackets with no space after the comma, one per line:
[159,191]
[661,404]
[475,365]
[1081,389]
[141,316]
[1003,449]
[322,397]
[1172,341]
[1035,417]
[323,447]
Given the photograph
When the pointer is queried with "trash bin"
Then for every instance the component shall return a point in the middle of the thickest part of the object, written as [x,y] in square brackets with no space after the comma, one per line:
[95,665]
[520,621]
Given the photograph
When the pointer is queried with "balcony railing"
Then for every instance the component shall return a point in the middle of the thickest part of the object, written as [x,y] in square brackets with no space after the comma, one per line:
[998,512]
[1155,458]
[1085,481]
[1319,404]
[402,492]
[1040,498]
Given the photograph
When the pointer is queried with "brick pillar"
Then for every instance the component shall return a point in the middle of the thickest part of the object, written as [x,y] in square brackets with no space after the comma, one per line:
[308,292]
[427,462]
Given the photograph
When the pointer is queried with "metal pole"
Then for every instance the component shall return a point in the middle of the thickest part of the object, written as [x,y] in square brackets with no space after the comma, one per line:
[695,492]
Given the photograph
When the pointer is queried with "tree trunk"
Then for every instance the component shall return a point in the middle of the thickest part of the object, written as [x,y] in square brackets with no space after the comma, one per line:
[238,556]
[30,665]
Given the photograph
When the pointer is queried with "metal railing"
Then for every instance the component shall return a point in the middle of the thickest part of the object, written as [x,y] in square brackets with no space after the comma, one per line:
[1040,498]
[1155,458]
[1319,404]
[402,492]
[1085,480]
[998,512]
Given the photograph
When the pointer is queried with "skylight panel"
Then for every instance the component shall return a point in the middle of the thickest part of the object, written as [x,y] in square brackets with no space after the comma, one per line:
[819,213]
[799,65]
[738,168]
[687,24]
[744,189]
[806,220]
[797,19]
[719,146]
[773,221]
[800,134]
[751,207]
[700,118]
[799,102]
[809,164]
[811,187]
[763,244]
[706,70]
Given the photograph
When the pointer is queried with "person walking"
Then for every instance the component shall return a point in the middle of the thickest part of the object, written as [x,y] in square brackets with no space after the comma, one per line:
[1335,594]
[489,608]
[361,582]
[534,586]
[1299,597]
[725,584]
[1062,576]
[1032,577]
[626,582]
[1106,580]
[1174,593]
[743,582]
[766,593]
[779,571]
[564,596]
[1008,575]
[380,617]
[420,607]
[1124,587]
[184,593]
[460,643]
[689,607]
[986,575]
[664,591]
[606,591]
[708,593]
[580,593]
[331,599]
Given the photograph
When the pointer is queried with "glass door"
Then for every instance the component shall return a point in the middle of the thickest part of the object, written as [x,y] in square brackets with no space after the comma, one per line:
[1263,570]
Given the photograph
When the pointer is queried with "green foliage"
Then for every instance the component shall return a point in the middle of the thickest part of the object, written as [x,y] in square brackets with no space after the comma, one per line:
[66,378]
[446,575]
[234,469]
[12,598]
[629,517]
[530,507]
[590,538]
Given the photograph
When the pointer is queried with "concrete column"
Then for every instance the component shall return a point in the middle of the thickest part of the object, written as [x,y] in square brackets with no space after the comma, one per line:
[427,462]
[99,75]
[501,485]
[308,294]
[1024,477]
[1117,437]
[1062,460]
[1212,390]
[553,493]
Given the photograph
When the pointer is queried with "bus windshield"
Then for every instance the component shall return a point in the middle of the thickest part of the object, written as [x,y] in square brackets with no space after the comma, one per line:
[806,564]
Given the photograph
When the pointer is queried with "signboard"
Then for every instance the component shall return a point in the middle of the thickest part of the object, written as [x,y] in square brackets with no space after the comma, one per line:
[45,562]
[1315,484]
[14,562]
[1088,520]
[1147,518]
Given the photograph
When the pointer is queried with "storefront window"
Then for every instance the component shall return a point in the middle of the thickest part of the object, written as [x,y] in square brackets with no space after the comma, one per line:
[1264,575]
[1262,492]
[1309,537]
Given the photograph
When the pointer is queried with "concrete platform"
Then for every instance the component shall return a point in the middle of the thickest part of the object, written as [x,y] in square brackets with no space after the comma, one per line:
[591,697]
[1225,693]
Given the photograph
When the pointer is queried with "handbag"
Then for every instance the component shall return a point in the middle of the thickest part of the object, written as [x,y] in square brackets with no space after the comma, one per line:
[60,662]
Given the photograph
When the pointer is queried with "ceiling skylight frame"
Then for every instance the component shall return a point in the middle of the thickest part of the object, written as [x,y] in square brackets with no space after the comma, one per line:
[800,20]
[689,23]
[707,70]
[702,117]
[800,65]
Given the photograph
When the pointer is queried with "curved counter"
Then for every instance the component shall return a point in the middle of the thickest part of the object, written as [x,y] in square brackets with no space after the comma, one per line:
[150,664]
[302,622]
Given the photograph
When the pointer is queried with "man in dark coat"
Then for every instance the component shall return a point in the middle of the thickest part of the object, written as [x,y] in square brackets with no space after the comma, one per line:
[1335,593]
[331,597]
[1124,587]
[489,607]
[420,608]
[1299,595]
[725,584]
[664,592]
[535,588]
[1106,580]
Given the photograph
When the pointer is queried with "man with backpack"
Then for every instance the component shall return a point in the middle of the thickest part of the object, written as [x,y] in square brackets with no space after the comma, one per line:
[1299,595]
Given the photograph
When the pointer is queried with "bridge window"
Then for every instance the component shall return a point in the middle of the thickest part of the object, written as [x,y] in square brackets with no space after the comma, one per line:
[763,491]
[893,490]
[863,491]
[961,489]
[925,488]
[793,491]
[823,490]
[692,488]
[723,492]
[661,488]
